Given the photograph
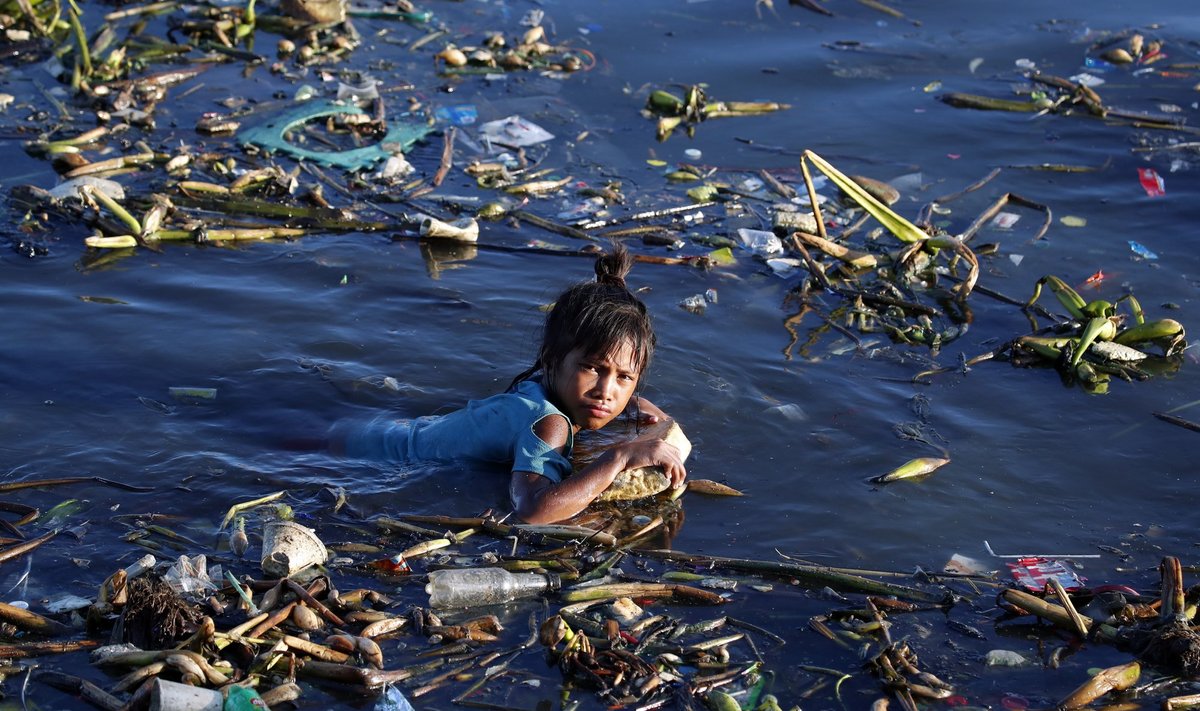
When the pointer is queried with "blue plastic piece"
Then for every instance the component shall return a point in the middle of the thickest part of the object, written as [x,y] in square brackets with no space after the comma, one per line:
[269,136]
[1140,250]
[462,115]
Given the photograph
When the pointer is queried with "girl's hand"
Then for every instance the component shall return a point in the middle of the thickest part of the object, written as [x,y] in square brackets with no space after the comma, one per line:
[650,453]
[649,412]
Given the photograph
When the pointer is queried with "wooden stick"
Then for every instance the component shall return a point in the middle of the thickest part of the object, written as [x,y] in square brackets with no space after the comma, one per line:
[33,483]
[810,574]
[615,590]
[240,630]
[1076,621]
[858,260]
[368,678]
[447,158]
[315,603]
[36,649]
[22,548]
[1177,703]
[1054,613]
[1186,424]
[392,525]
[85,689]
[312,648]
[272,619]
[31,621]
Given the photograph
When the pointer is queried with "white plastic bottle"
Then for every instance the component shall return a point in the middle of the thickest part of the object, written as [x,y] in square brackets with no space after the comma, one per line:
[468,587]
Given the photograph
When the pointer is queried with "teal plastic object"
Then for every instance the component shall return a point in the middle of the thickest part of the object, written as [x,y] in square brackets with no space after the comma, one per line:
[403,132]
[240,698]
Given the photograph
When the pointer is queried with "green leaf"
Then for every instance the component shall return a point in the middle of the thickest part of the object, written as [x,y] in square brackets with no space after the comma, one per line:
[904,230]
[722,257]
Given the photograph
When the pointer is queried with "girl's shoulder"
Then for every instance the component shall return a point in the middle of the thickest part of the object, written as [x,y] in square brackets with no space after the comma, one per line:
[531,389]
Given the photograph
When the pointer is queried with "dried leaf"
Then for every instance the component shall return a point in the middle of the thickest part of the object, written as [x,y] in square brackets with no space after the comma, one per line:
[711,488]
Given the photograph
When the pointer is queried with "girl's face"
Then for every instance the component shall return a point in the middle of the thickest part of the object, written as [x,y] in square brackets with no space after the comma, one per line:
[593,389]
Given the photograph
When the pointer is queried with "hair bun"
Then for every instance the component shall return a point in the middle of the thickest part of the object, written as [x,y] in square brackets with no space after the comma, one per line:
[612,266]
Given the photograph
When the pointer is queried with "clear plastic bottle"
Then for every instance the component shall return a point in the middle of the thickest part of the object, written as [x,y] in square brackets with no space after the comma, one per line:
[468,587]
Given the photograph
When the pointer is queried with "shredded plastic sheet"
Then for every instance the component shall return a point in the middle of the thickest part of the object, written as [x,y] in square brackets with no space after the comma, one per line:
[1034,574]
[403,132]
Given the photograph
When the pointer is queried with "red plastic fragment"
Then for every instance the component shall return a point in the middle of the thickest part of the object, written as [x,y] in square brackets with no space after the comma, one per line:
[1151,182]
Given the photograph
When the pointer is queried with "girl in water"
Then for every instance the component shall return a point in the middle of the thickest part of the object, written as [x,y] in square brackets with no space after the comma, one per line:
[596,343]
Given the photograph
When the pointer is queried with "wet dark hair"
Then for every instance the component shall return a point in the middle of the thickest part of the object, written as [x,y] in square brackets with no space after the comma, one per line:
[596,317]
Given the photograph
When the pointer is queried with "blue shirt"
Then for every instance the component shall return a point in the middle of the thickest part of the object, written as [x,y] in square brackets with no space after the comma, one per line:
[495,429]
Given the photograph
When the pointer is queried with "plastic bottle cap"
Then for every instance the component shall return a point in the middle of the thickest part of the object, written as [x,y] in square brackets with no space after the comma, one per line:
[554,582]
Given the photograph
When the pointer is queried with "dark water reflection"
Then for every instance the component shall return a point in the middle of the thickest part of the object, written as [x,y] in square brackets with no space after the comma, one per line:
[295,335]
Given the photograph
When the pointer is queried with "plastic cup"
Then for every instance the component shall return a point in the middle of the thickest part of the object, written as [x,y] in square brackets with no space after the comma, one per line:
[289,547]
[172,696]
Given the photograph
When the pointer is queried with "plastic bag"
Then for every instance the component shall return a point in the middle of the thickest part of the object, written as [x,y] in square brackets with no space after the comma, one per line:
[190,575]
[392,699]
[515,131]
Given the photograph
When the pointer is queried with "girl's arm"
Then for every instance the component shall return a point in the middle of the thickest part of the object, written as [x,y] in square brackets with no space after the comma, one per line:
[537,499]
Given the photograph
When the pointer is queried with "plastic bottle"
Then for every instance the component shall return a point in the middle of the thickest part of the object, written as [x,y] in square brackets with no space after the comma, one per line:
[467,587]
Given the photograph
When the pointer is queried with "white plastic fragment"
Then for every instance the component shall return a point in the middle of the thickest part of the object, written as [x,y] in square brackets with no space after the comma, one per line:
[368,90]
[69,190]
[395,167]
[694,304]
[139,566]
[760,242]
[108,651]
[1004,658]
[965,565]
[624,610]
[514,131]
[463,230]
[1088,80]
[784,267]
[1005,220]
[65,602]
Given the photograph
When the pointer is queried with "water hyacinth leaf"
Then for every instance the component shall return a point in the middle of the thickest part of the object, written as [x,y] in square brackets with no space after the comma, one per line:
[60,513]
[904,230]
[1097,328]
[911,469]
[718,700]
[704,193]
[1116,678]
[665,102]
[1150,331]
